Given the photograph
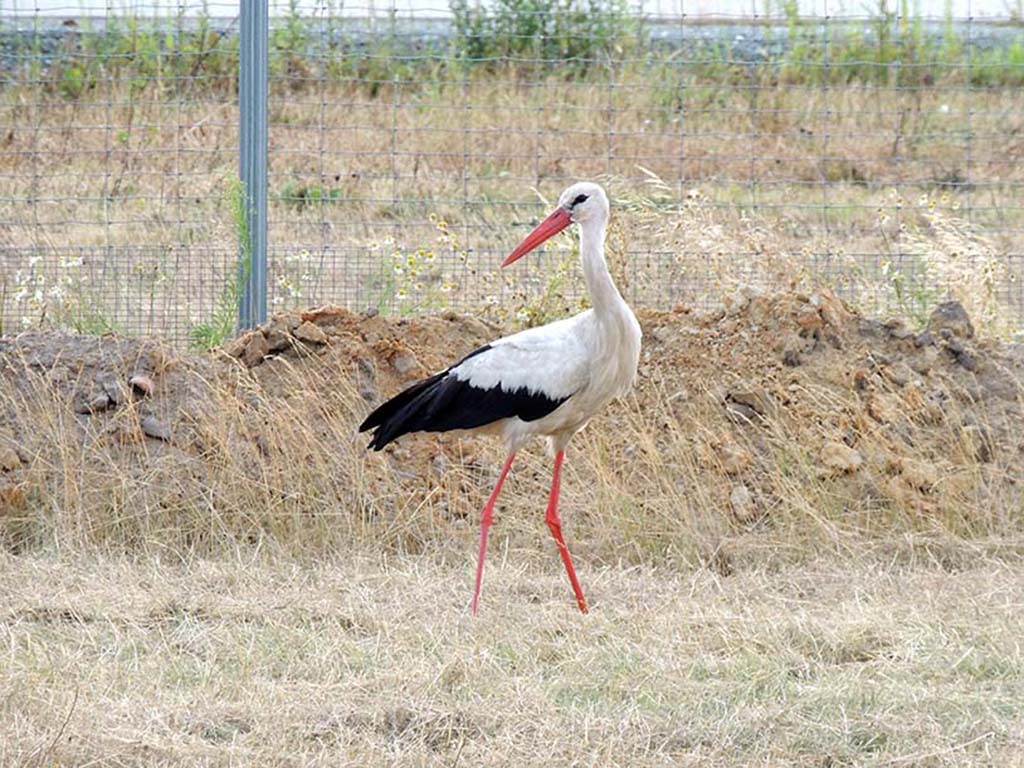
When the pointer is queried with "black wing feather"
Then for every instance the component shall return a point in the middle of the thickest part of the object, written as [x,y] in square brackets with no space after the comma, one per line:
[443,402]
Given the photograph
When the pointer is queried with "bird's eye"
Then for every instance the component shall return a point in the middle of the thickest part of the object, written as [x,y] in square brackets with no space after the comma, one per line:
[579,199]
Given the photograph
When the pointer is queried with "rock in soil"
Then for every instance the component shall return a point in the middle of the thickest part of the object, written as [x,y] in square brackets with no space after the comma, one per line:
[310,333]
[405,362]
[924,339]
[141,384]
[839,458]
[735,303]
[951,315]
[898,328]
[256,348]
[277,340]
[919,474]
[791,358]
[95,404]
[967,360]
[12,497]
[236,347]
[884,408]
[9,459]
[156,428]
[742,502]
[753,397]
[739,413]
[925,360]
[366,380]
[734,458]
[809,319]
[285,324]
[112,390]
[898,373]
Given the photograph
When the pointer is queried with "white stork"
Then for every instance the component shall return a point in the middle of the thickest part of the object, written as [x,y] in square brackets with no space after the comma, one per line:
[550,380]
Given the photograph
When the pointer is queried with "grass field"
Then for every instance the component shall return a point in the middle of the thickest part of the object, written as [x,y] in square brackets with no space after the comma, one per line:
[908,655]
[809,565]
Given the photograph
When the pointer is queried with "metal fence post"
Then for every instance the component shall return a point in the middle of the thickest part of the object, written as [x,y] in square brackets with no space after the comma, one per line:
[252,150]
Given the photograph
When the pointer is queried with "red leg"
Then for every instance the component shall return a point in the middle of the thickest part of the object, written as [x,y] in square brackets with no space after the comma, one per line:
[485,523]
[555,524]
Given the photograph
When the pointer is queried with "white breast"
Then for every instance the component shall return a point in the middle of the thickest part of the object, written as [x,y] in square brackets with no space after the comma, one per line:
[602,364]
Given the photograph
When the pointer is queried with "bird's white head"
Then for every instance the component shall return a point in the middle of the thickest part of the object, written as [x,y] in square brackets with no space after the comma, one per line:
[582,202]
[585,201]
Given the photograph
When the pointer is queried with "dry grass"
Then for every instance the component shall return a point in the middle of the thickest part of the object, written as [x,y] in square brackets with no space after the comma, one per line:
[356,178]
[252,661]
[262,592]
[271,457]
[145,163]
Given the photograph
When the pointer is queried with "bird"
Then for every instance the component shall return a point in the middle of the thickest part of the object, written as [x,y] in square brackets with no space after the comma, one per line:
[547,381]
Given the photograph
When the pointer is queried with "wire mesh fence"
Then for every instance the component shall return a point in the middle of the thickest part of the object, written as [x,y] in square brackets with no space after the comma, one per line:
[119,131]
[411,146]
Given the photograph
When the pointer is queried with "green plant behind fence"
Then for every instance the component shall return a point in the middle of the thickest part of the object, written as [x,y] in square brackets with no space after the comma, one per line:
[532,32]
[222,324]
[560,38]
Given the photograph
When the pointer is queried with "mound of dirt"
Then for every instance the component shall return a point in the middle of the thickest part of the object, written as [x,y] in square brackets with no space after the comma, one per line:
[892,414]
[750,402]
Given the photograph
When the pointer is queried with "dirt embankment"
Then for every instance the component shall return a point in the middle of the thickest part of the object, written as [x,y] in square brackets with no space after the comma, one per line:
[752,405]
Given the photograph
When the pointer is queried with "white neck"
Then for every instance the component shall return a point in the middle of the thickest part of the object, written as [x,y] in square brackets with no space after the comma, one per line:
[604,295]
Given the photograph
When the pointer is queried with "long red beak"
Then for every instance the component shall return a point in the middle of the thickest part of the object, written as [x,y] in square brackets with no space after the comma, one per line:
[548,228]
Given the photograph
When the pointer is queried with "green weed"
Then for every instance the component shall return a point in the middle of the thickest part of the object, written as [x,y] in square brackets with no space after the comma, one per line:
[221,326]
[574,40]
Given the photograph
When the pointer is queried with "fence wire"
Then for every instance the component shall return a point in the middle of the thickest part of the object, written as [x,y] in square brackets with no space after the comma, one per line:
[411,146]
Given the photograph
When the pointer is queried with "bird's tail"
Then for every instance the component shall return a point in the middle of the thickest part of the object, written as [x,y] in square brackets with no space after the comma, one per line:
[403,413]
